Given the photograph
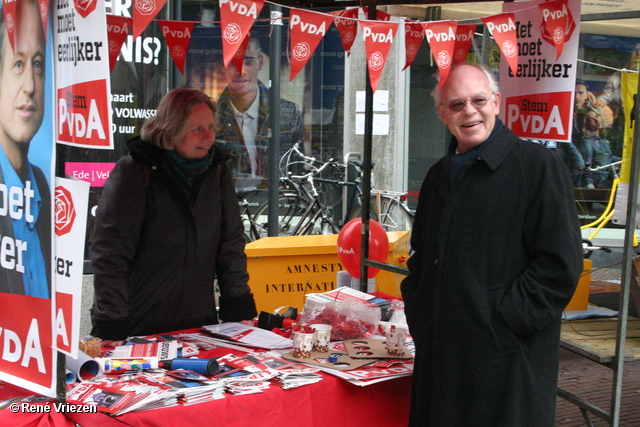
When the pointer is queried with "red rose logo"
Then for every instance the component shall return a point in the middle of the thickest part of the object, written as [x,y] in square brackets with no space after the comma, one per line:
[65,211]
[376,61]
[233,33]
[145,7]
[509,49]
[301,51]
[443,59]
[178,52]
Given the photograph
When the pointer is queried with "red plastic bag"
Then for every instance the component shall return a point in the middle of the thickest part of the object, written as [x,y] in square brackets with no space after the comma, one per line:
[349,318]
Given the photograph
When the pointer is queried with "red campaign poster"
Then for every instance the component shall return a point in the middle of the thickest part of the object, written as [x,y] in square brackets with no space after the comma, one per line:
[177,35]
[556,16]
[413,37]
[441,36]
[503,29]
[143,13]
[464,40]
[347,24]
[236,19]
[117,31]
[378,37]
[306,29]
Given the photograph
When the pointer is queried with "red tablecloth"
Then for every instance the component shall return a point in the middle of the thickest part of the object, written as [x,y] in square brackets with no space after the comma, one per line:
[332,401]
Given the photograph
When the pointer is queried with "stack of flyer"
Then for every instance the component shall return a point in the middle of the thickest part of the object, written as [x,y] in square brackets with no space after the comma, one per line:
[190,387]
[249,336]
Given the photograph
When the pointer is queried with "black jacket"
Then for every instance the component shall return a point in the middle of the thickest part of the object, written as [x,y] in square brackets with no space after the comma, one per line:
[497,258]
[155,254]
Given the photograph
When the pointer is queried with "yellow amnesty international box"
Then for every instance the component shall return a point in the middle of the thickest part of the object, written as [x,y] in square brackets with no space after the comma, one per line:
[580,300]
[282,270]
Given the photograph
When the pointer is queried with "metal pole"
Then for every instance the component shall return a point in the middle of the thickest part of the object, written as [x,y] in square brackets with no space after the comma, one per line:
[627,259]
[274,119]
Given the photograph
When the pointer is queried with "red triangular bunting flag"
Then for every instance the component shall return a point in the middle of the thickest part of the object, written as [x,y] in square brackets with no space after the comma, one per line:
[464,40]
[381,15]
[177,34]
[43,5]
[441,36]
[378,37]
[143,13]
[117,31]
[10,19]
[556,15]
[85,7]
[413,37]
[306,30]
[236,19]
[347,24]
[238,58]
[503,29]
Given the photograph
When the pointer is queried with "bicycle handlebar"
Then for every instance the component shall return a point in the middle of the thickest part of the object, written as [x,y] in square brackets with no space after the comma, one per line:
[610,165]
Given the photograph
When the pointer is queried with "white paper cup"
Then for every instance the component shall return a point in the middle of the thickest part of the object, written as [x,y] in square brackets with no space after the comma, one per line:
[396,340]
[302,344]
[323,336]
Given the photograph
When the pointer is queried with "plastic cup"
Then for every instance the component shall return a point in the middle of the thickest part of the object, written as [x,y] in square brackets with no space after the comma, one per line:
[323,336]
[303,344]
[396,340]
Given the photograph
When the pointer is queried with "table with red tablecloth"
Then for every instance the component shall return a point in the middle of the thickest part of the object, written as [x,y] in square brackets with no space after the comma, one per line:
[332,401]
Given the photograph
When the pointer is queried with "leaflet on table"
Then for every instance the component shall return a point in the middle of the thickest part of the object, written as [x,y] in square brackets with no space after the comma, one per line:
[163,350]
[339,294]
[248,335]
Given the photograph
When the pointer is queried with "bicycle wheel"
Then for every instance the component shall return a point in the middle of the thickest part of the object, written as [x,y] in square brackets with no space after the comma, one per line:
[291,210]
[393,215]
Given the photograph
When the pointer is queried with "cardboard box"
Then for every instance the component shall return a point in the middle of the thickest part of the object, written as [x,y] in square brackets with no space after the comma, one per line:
[580,300]
[282,270]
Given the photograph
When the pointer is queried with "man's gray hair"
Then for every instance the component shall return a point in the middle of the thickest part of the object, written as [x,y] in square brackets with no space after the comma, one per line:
[436,93]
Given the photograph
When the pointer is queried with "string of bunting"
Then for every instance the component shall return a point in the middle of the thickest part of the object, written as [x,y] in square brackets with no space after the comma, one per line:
[449,41]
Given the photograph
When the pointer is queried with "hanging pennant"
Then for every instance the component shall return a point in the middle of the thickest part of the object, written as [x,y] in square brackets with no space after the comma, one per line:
[43,5]
[236,19]
[413,37]
[143,13]
[84,7]
[441,36]
[117,31]
[378,37]
[177,34]
[503,29]
[306,30]
[464,40]
[238,58]
[557,16]
[347,24]
[9,11]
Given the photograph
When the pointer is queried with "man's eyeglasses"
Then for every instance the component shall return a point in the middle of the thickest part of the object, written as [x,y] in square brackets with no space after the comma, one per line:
[457,105]
[200,130]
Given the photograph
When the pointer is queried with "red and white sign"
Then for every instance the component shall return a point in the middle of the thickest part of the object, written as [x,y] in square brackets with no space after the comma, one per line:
[143,13]
[83,115]
[537,101]
[378,37]
[177,35]
[558,21]
[503,30]
[306,29]
[347,24]
[117,31]
[413,37]
[85,7]
[71,205]
[441,36]
[236,19]
[464,40]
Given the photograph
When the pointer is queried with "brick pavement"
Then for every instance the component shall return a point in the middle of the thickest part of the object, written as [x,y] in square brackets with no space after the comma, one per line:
[593,382]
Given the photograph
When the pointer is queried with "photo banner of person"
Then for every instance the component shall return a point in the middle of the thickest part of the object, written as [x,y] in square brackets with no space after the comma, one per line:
[143,13]
[236,19]
[413,38]
[177,35]
[306,29]
[464,39]
[117,32]
[347,24]
[71,202]
[540,89]
[378,37]
[82,77]
[441,36]
[629,90]
[27,280]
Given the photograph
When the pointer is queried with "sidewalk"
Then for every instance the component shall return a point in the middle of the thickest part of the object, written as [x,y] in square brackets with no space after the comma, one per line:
[592,382]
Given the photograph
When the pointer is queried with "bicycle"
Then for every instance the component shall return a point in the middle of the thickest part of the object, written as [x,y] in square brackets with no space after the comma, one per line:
[302,209]
[252,229]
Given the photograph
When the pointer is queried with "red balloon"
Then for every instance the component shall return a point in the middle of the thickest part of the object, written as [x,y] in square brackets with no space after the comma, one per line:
[349,241]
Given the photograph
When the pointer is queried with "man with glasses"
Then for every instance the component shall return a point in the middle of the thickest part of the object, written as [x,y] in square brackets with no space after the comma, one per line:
[497,257]
[243,114]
